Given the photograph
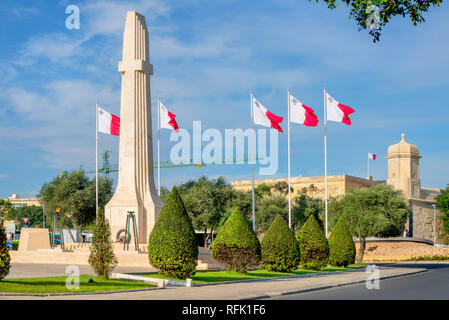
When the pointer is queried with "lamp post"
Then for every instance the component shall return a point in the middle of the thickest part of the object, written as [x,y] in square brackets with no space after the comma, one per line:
[434,206]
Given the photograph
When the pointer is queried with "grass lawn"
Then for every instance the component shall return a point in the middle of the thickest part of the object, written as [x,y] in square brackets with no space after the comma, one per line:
[217,276]
[58,285]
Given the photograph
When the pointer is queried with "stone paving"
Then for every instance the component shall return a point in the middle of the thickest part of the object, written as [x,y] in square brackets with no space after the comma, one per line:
[242,290]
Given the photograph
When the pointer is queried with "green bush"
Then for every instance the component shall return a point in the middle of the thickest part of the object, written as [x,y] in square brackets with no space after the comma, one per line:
[236,244]
[5,259]
[279,247]
[312,245]
[102,257]
[341,245]
[172,246]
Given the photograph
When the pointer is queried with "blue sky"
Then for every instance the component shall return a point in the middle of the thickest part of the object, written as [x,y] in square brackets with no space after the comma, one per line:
[207,57]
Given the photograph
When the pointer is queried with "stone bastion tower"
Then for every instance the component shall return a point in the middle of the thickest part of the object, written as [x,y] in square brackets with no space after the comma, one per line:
[403,174]
[135,188]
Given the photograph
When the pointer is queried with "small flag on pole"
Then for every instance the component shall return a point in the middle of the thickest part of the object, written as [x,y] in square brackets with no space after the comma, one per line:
[371,156]
[167,119]
[337,111]
[108,123]
[264,117]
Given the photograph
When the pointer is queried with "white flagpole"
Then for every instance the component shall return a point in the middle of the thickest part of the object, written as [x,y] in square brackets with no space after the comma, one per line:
[252,167]
[325,159]
[96,160]
[158,147]
[368,166]
[289,182]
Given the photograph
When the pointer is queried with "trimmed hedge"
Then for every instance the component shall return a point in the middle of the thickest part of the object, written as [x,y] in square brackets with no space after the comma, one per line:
[313,245]
[341,245]
[280,249]
[5,259]
[236,244]
[172,246]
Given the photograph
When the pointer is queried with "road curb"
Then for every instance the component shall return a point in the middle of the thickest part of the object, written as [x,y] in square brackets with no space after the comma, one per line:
[317,288]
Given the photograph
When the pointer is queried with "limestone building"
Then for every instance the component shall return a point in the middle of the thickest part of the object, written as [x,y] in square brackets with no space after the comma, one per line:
[312,186]
[17,202]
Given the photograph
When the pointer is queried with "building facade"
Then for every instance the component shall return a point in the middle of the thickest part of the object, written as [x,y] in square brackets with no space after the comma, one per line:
[18,202]
[314,187]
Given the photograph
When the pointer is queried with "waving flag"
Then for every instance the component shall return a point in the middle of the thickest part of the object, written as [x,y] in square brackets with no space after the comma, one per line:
[108,123]
[337,111]
[167,119]
[264,117]
[371,156]
[302,114]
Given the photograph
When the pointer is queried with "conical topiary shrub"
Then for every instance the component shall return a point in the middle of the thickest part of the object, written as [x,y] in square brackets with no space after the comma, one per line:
[312,245]
[236,244]
[5,259]
[341,245]
[279,247]
[102,257]
[172,246]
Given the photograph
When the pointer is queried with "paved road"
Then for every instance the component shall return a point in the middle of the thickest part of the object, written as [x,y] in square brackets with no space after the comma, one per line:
[433,284]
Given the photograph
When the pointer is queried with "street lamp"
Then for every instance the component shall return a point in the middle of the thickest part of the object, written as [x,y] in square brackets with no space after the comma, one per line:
[434,206]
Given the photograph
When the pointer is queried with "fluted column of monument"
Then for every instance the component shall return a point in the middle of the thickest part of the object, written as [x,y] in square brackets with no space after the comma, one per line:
[135,188]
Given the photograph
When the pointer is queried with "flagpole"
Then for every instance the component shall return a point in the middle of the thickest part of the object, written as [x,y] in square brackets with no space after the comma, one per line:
[96,159]
[289,182]
[252,167]
[368,165]
[325,161]
[158,147]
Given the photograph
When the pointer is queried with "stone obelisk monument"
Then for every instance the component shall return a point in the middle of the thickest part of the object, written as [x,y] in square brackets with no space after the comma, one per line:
[135,188]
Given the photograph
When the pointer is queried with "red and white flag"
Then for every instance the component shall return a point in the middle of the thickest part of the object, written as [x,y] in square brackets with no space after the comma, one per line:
[371,156]
[264,117]
[302,114]
[337,111]
[108,123]
[167,119]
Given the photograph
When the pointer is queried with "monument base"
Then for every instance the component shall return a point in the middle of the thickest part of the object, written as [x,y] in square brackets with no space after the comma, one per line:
[33,239]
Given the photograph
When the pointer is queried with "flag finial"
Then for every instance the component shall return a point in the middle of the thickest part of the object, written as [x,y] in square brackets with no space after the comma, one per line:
[403,137]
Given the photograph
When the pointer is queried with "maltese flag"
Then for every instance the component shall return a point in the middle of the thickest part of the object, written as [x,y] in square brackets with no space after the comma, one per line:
[108,123]
[167,119]
[264,117]
[338,112]
[302,114]
[371,156]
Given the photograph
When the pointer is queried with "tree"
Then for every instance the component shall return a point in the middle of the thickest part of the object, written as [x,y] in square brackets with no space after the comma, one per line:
[303,207]
[206,201]
[6,209]
[74,193]
[282,187]
[164,194]
[5,259]
[443,205]
[102,257]
[172,246]
[368,13]
[341,246]
[313,245]
[267,209]
[373,211]
[279,247]
[34,213]
[236,244]
[264,189]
